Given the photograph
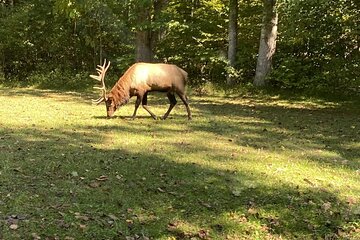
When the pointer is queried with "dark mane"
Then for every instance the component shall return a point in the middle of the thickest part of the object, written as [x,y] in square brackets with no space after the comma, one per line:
[120,91]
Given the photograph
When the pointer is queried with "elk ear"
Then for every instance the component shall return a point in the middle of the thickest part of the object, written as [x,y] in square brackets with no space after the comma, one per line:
[109,97]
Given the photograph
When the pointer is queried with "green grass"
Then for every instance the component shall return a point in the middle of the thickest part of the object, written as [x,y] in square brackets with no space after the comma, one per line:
[243,168]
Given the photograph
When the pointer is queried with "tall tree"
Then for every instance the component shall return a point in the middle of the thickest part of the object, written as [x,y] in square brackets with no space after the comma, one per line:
[6,6]
[148,12]
[267,42]
[233,15]
[143,33]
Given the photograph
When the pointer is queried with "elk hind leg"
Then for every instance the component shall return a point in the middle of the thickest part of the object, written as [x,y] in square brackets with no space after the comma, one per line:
[173,102]
[185,100]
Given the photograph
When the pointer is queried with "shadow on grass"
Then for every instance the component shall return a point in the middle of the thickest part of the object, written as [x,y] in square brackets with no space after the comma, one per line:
[58,183]
[305,129]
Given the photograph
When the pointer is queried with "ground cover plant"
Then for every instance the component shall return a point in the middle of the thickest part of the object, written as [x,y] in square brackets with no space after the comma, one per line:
[248,167]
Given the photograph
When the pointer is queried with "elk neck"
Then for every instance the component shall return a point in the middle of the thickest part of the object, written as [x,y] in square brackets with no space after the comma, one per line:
[121,92]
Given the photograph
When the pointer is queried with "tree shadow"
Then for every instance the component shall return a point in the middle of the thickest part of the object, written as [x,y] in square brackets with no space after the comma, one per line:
[74,180]
[59,180]
[325,128]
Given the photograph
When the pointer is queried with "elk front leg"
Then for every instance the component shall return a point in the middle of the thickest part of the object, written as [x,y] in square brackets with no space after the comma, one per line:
[137,104]
[144,104]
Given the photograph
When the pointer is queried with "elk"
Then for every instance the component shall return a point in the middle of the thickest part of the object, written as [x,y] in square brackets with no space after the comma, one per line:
[139,80]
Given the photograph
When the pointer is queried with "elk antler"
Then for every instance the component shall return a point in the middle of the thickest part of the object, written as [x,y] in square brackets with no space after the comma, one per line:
[101,70]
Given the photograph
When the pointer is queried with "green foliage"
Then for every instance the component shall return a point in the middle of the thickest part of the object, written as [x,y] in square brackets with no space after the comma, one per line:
[202,38]
[60,36]
[62,80]
[317,48]
[197,39]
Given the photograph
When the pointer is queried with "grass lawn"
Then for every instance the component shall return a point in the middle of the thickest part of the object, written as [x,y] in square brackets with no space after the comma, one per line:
[244,168]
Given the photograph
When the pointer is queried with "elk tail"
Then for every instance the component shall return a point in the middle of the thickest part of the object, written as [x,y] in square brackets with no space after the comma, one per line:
[185,74]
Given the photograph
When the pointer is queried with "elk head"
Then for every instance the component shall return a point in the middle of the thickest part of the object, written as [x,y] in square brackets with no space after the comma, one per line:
[110,105]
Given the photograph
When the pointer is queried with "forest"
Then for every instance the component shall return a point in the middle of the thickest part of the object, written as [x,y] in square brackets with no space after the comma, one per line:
[262,143]
[55,44]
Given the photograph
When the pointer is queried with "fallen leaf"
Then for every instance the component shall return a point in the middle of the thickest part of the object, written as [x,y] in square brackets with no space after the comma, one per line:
[81,217]
[203,234]
[344,162]
[351,201]
[14,226]
[94,184]
[62,214]
[207,205]
[102,178]
[82,226]
[113,217]
[310,226]
[273,221]
[62,224]
[264,228]
[35,236]
[310,202]
[252,211]
[309,182]
[172,226]
[355,209]
[236,192]
[326,206]
[250,184]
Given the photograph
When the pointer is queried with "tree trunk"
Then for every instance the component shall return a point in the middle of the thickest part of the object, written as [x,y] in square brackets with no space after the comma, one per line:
[5,65]
[146,37]
[144,51]
[267,43]
[143,32]
[233,15]
[157,33]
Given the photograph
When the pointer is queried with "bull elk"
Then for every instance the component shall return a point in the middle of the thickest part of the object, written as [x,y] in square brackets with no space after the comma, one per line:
[139,80]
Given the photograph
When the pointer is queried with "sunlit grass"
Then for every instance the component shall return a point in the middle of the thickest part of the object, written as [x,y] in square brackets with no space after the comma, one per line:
[252,167]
